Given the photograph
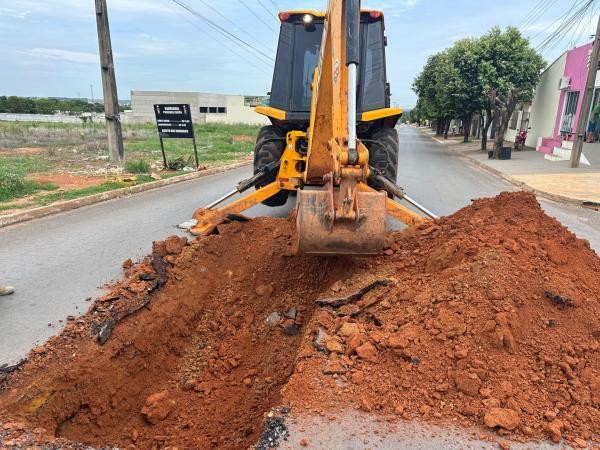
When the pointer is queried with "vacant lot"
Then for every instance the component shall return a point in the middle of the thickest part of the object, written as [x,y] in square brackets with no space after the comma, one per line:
[45,162]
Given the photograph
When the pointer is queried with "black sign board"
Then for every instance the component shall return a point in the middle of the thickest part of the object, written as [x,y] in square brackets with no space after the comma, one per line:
[175,121]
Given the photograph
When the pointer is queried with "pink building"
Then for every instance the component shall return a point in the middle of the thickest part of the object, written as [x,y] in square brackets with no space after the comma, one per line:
[572,87]
[562,114]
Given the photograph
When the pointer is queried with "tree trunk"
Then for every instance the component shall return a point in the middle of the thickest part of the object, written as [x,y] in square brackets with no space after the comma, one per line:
[504,115]
[446,128]
[475,126]
[466,128]
[489,118]
[441,123]
[499,135]
[494,124]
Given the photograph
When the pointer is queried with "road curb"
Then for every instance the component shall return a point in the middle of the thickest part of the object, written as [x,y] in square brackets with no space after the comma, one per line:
[520,184]
[68,205]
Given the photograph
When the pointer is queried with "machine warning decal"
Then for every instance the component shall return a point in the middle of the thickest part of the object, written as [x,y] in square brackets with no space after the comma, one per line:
[336,70]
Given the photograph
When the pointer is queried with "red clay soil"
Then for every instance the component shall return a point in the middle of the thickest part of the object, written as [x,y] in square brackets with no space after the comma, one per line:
[68,181]
[488,318]
[492,318]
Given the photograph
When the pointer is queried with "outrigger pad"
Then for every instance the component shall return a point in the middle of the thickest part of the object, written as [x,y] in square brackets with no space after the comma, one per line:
[316,232]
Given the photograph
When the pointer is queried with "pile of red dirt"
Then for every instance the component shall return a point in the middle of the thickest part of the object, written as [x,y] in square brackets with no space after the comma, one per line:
[487,318]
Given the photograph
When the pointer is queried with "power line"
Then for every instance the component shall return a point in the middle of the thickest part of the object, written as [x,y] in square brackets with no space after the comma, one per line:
[223,43]
[257,16]
[538,14]
[240,42]
[561,17]
[216,10]
[531,13]
[269,12]
[567,24]
[577,33]
[275,5]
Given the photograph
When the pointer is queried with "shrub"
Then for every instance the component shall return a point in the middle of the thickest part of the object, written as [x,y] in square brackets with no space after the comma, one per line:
[13,185]
[138,166]
[179,163]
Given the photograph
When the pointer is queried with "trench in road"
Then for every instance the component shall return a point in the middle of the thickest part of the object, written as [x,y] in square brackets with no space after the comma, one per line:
[58,261]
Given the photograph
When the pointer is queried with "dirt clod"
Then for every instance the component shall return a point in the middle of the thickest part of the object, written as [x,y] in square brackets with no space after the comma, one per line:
[158,407]
[501,417]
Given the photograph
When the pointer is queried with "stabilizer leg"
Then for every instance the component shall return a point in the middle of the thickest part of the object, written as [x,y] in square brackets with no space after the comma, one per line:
[396,210]
[208,219]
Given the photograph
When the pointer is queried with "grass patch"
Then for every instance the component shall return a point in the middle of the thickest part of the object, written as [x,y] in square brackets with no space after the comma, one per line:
[215,143]
[137,166]
[23,165]
[14,185]
[82,148]
[87,191]
[76,193]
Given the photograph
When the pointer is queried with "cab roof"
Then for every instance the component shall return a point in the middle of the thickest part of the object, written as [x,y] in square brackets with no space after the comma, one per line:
[296,12]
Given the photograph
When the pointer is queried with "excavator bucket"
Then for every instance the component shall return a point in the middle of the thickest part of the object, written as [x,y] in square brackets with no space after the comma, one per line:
[318,232]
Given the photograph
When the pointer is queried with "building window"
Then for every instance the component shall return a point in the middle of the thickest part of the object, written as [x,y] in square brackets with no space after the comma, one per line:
[213,110]
[566,124]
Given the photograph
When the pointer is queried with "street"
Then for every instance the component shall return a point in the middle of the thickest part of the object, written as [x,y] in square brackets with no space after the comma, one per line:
[58,262]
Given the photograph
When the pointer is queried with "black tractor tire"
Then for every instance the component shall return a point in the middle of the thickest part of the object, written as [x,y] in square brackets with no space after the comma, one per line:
[270,144]
[384,146]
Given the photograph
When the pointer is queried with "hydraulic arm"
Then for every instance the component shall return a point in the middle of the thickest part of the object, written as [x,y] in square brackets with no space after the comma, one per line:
[337,211]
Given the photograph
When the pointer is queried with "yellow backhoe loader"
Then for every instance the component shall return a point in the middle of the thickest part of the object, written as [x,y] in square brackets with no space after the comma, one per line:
[332,136]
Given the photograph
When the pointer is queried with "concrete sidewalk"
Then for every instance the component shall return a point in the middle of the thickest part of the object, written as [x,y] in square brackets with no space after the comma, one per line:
[529,169]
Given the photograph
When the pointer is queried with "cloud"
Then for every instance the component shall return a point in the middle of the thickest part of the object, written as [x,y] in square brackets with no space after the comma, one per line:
[396,9]
[58,54]
[13,13]
[75,9]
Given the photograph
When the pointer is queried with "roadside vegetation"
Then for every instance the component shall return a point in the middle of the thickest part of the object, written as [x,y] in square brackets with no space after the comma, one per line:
[488,76]
[26,105]
[13,183]
[33,154]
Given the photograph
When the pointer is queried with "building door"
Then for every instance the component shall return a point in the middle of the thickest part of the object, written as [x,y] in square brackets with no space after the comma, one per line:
[566,124]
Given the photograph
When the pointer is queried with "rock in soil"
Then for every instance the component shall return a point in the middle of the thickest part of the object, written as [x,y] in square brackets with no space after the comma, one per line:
[158,407]
[501,417]
[460,334]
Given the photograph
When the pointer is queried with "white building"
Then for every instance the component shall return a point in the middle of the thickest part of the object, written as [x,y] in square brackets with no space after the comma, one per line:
[206,108]
[545,103]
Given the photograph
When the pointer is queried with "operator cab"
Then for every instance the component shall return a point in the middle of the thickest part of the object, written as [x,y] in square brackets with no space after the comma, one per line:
[297,57]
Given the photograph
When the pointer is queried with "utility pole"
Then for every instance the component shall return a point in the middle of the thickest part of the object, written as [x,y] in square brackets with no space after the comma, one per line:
[92,93]
[586,102]
[109,86]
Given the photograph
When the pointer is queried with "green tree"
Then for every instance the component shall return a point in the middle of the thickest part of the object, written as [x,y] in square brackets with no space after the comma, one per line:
[510,71]
[467,90]
[415,114]
[491,74]
[433,86]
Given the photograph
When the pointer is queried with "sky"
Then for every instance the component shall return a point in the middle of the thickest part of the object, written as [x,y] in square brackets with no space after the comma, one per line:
[49,47]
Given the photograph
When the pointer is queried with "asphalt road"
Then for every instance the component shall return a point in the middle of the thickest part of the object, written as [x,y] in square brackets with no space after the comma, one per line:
[58,261]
